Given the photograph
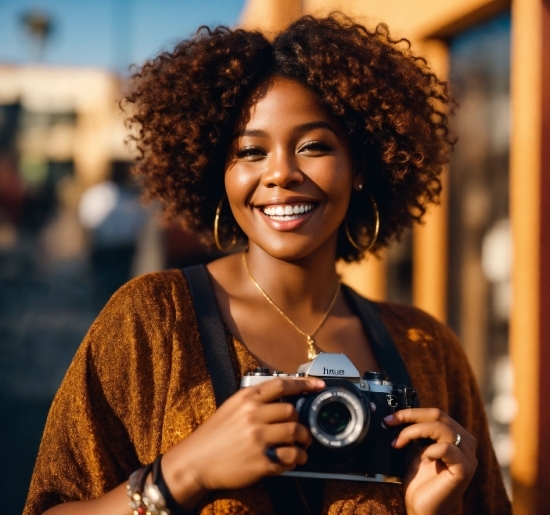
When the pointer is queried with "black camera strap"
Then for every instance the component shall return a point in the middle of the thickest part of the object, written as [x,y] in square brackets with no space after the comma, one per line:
[212,332]
[286,493]
[379,337]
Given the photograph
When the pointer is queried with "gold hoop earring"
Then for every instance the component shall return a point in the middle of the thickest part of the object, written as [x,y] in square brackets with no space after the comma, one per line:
[216,228]
[374,236]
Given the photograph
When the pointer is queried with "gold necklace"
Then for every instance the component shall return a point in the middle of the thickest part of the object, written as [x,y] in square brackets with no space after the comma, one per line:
[311,351]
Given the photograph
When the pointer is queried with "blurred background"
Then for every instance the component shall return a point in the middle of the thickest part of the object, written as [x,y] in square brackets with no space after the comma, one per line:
[73,229]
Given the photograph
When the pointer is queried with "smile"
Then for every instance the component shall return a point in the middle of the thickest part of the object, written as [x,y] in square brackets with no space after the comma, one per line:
[287,212]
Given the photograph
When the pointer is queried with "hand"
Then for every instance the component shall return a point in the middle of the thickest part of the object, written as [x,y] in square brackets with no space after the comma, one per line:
[228,450]
[441,472]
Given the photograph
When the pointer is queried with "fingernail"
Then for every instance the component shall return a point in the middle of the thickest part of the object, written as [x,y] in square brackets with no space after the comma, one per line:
[389,418]
[320,383]
[394,442]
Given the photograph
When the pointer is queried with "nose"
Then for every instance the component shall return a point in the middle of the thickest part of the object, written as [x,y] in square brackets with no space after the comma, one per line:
[282,171]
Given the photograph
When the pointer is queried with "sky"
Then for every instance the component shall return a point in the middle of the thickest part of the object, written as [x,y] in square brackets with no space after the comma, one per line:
[108,33]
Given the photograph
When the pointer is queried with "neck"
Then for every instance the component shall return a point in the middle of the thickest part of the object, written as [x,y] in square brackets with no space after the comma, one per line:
[307,282]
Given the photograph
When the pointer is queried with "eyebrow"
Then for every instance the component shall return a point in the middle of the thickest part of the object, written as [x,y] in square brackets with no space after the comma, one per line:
[300,129]
[314,125]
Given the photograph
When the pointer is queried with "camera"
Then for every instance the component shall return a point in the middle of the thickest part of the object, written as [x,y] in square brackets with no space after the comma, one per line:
[350,440]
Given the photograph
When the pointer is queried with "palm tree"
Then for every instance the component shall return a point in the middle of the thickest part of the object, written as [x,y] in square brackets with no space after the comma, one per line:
[39,28]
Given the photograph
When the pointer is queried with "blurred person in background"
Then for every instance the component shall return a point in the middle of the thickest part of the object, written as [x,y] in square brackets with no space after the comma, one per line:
[115,217]
[325,144]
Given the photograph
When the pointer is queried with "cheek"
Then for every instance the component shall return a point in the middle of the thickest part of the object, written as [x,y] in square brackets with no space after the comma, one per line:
[239,188]
[335,181]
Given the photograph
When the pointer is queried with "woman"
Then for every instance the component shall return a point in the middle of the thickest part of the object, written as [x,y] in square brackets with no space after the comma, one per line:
[325,143]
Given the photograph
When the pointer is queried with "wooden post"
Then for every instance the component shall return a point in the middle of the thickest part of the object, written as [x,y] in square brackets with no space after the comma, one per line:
[530,213]
[543,465]
[430,238]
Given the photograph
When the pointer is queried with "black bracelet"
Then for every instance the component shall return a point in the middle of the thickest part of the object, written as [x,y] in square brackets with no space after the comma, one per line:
[158,480]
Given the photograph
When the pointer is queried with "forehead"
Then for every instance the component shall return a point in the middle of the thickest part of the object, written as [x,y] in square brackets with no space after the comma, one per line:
[280,101]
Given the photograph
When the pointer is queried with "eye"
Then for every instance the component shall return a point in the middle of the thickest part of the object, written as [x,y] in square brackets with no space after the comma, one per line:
[315,148]
[250,153]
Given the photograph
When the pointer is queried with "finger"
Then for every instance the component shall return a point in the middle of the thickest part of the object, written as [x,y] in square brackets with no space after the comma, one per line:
[287,457]
[274,389]
[453,458]
[287,433]
[437,431]
[440,433]
[274,412]
[291,456]
[415,415]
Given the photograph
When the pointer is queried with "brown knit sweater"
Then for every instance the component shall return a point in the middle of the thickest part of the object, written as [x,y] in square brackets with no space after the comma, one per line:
[139,384]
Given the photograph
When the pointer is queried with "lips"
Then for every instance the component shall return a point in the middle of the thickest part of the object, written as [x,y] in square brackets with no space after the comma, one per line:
[287,212]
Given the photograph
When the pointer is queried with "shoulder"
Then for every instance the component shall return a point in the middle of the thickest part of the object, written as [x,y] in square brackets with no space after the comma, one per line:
[141,317]
[140,337]
[415,324]
[155,284]
[154,296]
[433,354]
[413,327]
[416,333]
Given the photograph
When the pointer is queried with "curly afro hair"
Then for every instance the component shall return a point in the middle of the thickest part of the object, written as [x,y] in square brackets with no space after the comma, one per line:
[186,103]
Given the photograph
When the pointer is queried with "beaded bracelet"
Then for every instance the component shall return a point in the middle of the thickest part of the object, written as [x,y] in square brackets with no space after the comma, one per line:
[152,498]
[134,489]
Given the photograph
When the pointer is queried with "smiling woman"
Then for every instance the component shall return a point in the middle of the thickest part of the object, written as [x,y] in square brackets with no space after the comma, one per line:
[325,143]
[387,103]
[290,156]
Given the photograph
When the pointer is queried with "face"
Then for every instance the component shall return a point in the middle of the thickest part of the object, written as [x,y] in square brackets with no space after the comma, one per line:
[289,173]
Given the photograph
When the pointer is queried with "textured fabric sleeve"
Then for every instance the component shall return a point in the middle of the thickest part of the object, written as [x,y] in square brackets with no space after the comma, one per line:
[443,378]
[486,494]
[106,419]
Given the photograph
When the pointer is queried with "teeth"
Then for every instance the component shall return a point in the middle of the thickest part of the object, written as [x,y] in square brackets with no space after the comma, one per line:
[287,211]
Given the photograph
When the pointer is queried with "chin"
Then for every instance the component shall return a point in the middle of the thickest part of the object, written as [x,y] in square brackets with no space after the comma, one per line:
[295,251]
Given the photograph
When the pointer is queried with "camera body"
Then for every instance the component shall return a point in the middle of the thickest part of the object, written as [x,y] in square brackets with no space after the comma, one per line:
[350,440]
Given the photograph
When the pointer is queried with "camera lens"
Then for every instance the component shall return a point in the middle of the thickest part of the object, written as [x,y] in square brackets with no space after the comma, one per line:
[337,417]
[333,418]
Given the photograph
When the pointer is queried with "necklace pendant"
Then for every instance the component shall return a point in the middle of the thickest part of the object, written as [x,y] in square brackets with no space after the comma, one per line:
[311,351]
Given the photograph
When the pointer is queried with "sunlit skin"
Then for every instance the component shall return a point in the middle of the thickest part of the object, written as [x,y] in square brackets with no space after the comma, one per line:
[288,151]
